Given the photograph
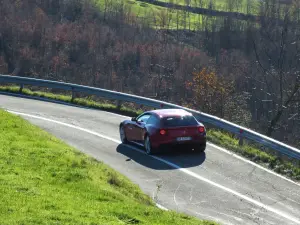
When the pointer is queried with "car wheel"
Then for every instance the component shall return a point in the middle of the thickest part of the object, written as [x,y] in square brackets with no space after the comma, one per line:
[148,146]
[123,135]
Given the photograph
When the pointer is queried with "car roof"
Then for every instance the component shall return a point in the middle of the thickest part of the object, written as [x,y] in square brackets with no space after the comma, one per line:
[170,112]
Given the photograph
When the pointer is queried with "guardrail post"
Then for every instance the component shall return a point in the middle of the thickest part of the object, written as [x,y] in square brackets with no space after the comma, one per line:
[73,95]
[119,104]
[241,139]
[21,88]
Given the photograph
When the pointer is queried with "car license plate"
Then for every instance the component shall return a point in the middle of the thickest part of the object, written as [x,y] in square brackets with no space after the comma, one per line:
[184,138]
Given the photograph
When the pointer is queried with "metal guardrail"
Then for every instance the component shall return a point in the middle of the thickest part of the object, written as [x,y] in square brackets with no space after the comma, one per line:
[242,132]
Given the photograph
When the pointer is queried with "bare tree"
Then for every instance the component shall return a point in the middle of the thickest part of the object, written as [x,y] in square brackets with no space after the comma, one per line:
[277,54]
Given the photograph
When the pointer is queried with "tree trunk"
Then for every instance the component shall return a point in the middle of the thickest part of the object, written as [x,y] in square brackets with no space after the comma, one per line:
[276,119]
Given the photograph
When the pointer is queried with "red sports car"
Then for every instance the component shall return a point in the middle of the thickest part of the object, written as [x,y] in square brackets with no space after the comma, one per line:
[164,127]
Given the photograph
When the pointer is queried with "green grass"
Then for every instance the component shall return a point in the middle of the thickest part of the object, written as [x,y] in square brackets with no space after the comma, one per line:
[156,15]
[44,181]
[221,5]
[159,17]
[223,139]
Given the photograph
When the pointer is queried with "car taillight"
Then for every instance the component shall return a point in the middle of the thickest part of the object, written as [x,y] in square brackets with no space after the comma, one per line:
[201,129]
[162,132]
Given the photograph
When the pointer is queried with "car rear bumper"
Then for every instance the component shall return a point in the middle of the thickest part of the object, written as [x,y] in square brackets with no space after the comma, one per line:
[191,143]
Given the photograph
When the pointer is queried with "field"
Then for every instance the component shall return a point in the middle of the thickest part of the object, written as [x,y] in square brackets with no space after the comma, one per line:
[44,181]
[160,17]
[221,5]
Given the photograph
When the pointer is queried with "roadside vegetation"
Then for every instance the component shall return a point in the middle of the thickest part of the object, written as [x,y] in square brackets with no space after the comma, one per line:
[44,181]
[266,158]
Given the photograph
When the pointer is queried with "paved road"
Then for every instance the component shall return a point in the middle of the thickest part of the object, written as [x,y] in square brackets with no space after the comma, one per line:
[216,185]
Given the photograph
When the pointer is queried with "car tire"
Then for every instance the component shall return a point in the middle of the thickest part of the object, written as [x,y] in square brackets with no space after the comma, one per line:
[148,146]
[123,135]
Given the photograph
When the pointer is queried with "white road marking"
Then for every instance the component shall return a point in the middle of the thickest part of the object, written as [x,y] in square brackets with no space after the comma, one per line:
[119,115]
[186,171]
[161,207]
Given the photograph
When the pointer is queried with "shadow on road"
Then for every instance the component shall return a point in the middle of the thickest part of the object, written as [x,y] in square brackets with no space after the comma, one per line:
[178,157]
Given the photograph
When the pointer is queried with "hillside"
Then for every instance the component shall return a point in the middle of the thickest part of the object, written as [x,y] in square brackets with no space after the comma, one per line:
[245,72]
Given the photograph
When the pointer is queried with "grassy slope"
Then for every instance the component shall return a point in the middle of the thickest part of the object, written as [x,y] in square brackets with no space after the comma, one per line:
[44,181]
[222,139]
[221,5]
[153,15]
[179,19]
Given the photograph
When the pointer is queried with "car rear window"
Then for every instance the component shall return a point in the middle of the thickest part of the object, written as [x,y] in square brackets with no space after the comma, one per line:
[178,121]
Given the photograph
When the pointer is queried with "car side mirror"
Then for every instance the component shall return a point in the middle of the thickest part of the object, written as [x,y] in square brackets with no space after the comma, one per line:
[133,119]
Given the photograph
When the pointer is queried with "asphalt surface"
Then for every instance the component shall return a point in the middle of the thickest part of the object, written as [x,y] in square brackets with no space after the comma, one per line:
[215,185]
